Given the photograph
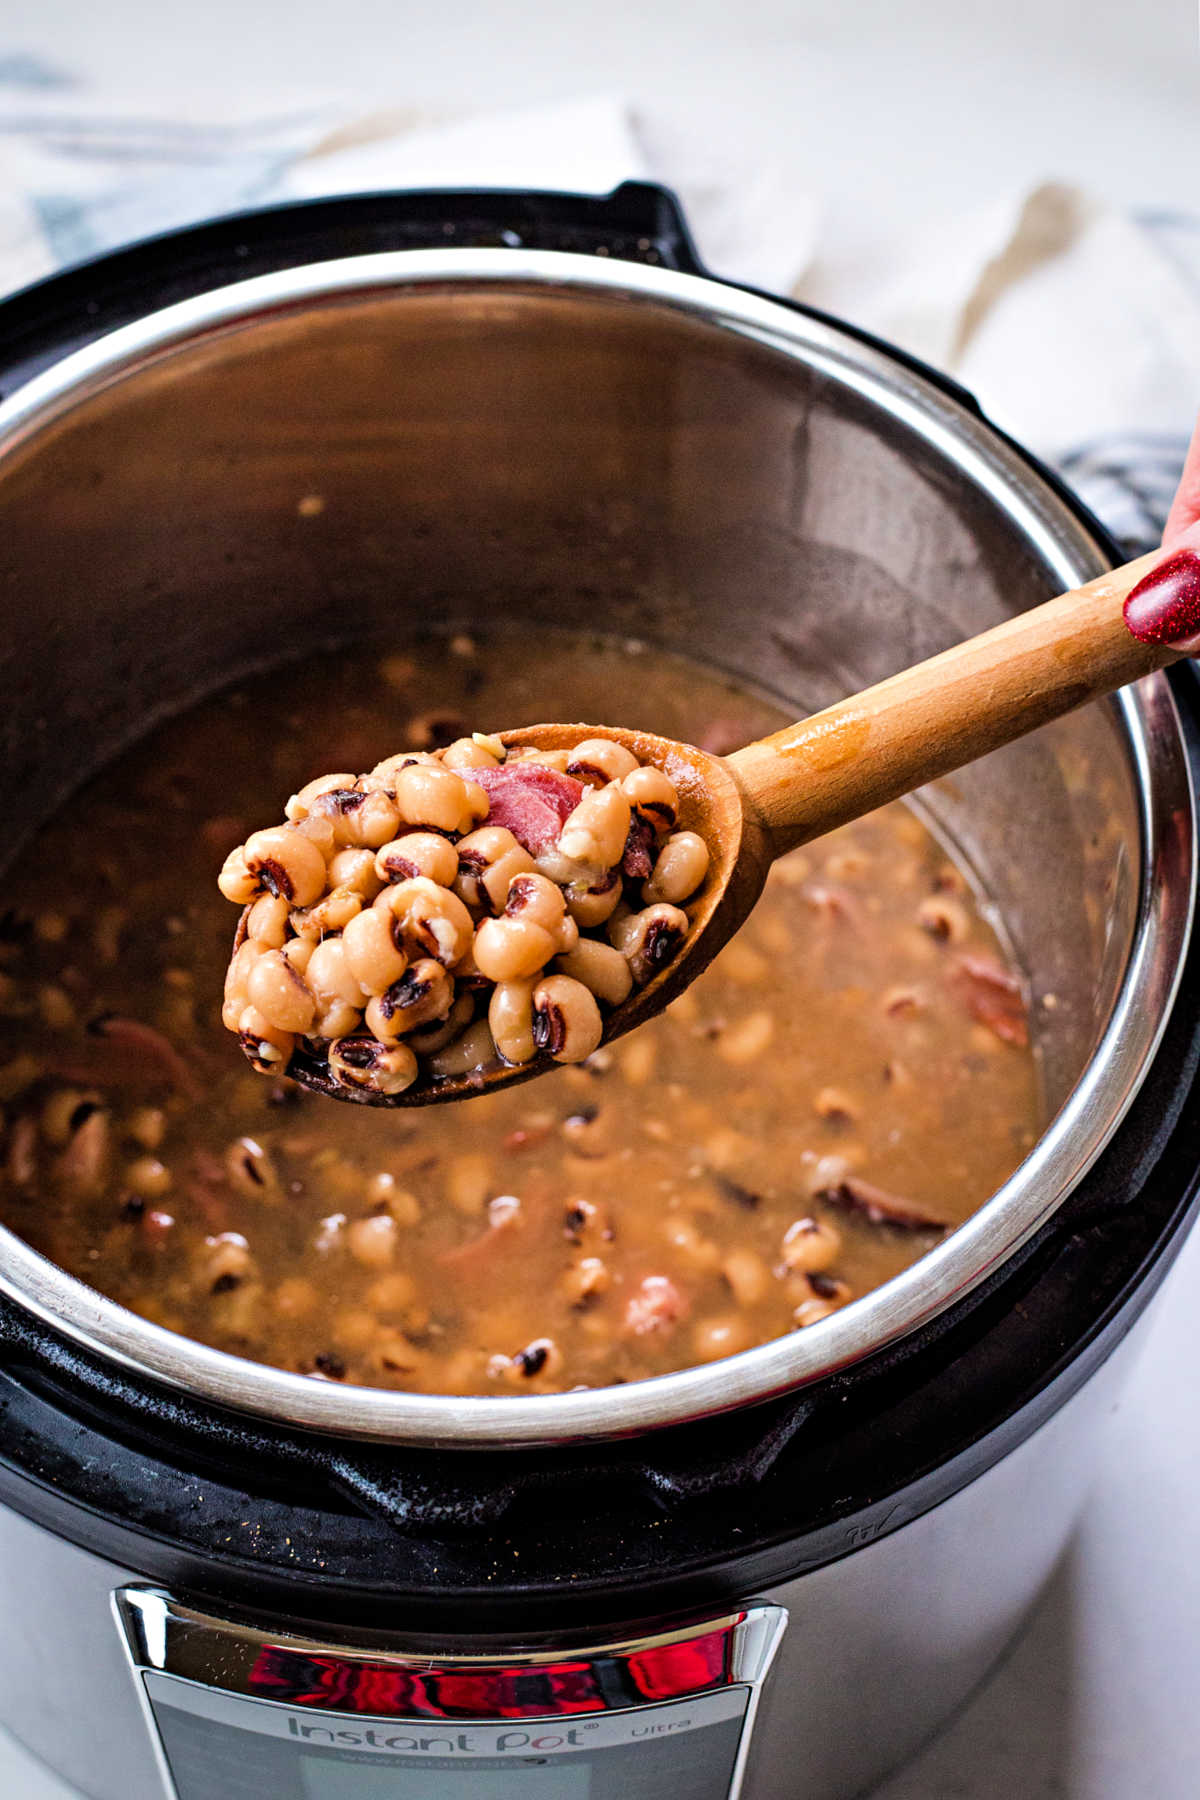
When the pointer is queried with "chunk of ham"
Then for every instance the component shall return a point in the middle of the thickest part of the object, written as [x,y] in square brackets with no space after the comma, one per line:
[993,998]
[879,1207]
[530,800]
[657,1305]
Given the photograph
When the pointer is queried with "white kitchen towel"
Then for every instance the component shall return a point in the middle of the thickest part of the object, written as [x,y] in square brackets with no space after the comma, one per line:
[1078,327]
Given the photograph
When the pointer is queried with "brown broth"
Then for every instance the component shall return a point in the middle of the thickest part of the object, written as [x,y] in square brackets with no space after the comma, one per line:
[841,1036]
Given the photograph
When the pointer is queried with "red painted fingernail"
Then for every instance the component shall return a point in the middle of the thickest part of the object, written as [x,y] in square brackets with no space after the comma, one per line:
[1164,607]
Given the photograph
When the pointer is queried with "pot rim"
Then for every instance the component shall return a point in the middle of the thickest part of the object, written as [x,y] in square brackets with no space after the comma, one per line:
[1019,1208]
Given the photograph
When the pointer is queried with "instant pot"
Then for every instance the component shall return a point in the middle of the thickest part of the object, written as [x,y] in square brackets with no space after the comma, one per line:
[773,1576]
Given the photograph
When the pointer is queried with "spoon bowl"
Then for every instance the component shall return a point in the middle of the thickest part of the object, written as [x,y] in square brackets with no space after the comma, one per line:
[811,777]
[712,804]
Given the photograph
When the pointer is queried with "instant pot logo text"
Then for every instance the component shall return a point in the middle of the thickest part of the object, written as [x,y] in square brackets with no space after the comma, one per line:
[473,1742]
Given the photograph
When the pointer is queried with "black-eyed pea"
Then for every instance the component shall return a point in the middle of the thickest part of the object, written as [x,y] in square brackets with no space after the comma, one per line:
[566,1020]
[474,752]
[147,1125]
[354,1330]
[679,868]
[359,1061]
[318,828]
[299,953]
[59,1010]
[721,1336]
[423,993]
[510,1019]
[589,1132]
[944,918]
[748,1276]
[586,1221]
[147,1177]
[237,881]
[392,1293]
[431,1038]
[286,863]
[508,949]
[429,919]
[418,853]
[296,1298]
[267,921]
[63,1112]
[251,1169]
[330,914]
[373,950]
[225,1262]
[301,804]
[533,897]
[17,1075]
[637,1057]
[726,1148]
[747,1040]
[902,1001]
[538,1361]
[384,774]
[649,939]
[463,1372]
[600,760]
[586,1280]
[354,868]
[810,1245]
[238,1309]
[336,1019]
[365,816]
[266,1047]
[468,1054]
[594,904]
[280,993]
[601,969]
[831,1288]
[385,1194]
[237,975]
[430,795]
[50,926]
[83,1166]
[329,975]
[468,1183]
[691,1247]
[594,834]
[487,861]
[546,759]
[811,1312]
[835,1106]
[394,1357]
[829,1171]
[652,796]
[373,1241]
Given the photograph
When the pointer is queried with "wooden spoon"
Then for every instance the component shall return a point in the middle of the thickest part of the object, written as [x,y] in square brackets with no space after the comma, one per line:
[775,794]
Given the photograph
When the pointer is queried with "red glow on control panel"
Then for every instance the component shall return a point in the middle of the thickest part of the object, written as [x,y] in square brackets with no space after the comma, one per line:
[602,1682]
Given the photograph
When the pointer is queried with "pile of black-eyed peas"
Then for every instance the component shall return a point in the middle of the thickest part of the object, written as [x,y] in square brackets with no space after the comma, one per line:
[456,909]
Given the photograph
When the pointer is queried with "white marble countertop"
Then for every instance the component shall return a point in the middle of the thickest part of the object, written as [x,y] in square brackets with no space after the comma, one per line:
[888,114]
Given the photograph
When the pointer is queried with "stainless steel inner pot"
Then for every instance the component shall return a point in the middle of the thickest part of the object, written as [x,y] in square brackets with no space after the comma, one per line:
[497,434]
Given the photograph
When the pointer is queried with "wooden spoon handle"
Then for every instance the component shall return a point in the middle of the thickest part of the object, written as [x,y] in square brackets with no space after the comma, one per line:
[940,714]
